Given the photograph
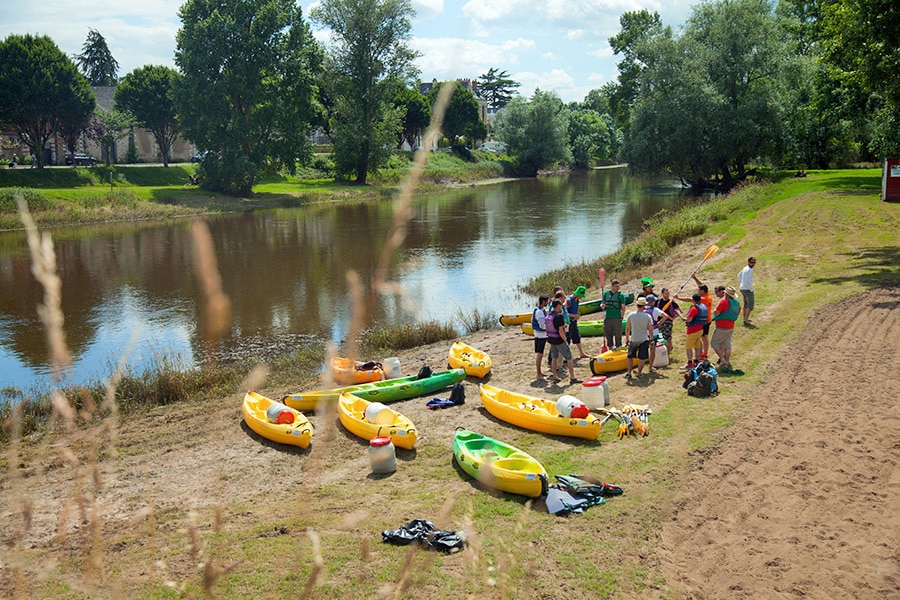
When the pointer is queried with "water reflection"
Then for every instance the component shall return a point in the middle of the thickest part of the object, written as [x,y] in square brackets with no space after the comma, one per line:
[285,270]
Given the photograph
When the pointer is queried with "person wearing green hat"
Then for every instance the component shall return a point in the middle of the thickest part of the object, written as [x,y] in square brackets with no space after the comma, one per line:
[573,336]
[647,285]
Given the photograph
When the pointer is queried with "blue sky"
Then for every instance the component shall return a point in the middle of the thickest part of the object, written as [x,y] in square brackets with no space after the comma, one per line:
[558,45]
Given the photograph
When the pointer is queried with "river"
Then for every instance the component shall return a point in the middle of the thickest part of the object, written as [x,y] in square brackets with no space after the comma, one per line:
[133,285]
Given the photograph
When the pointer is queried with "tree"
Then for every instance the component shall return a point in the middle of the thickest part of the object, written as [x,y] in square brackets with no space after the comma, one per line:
[106,128]
[416,114]
[589,137]
[462,124]
[639,28]
[496,88]
[147,93]
[535,131]
[370,59]
[96,61]
[40,88]
[247,91]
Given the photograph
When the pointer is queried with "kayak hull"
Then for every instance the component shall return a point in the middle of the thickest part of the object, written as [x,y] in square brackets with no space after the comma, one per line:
[299,433]
[475,362]
[352,414]
[536,414]
[498,465]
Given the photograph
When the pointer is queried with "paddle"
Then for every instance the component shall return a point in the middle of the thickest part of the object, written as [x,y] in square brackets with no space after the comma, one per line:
[710,252]
[601,275]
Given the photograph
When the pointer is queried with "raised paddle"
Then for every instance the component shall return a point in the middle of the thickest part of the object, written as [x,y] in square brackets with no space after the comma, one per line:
[601,275]
[710,252]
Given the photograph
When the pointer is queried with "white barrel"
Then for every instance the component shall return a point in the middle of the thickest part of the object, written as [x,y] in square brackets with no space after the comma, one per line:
[378,413]
[382,455]
[662,356]
[391,367]
[279,413]
[565,404]
[595,392]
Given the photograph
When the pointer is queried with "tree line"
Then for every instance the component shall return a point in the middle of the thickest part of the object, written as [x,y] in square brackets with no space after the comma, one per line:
[797,84]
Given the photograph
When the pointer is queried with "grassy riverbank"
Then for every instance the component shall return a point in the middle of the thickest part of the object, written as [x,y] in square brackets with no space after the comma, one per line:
[183,502]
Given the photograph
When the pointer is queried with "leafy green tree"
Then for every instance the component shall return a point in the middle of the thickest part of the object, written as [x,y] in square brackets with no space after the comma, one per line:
[496,88]
[638,29]
[371,59]
[535,131]
[416,114]
[96,61]
[462,123]
[710,102]
[247,91]
[589,137]
[40,88]
[106,128]
[148,94]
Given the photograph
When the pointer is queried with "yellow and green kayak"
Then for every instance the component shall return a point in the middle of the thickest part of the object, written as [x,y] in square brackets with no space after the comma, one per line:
[498,465]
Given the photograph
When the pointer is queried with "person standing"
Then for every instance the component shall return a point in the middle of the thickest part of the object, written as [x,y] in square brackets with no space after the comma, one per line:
[668,305]
[638,337]
[694,320]
[658,317]
[573,336]
[707,301]
[539,326]
[745,284]
[727,312]
[556,336]
[614,302]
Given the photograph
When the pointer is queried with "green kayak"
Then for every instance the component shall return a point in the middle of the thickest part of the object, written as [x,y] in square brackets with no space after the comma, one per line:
[585,328]
[390,390]
[498,465]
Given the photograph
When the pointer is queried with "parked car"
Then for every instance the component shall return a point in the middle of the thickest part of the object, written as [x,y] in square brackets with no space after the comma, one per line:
[198,157]
[80,159]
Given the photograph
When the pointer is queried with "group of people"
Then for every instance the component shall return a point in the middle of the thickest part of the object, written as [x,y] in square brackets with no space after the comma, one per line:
[653,320]
[558,327]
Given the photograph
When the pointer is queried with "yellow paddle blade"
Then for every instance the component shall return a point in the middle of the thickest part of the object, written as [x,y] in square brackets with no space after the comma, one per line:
[710,252]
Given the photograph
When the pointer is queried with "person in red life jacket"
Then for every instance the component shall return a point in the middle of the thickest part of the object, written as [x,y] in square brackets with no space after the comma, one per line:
[573,336]
[695,319]
[707,301]
[556,336]
[726,313]
[539,326]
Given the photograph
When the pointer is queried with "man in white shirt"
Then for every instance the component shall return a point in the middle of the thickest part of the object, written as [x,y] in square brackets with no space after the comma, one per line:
[745,284]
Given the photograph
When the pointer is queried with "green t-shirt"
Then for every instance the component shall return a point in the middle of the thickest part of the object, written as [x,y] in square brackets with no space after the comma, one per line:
[615,301]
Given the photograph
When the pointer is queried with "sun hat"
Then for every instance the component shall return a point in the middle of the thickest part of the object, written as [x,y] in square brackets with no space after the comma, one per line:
[579,291]
[641,301]
[729,290]
[647,281]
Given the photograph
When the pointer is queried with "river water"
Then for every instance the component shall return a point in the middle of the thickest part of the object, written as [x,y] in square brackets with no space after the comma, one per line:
[130,290]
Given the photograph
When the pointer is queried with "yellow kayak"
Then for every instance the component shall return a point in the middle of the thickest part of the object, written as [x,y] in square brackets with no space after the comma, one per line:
[475,362]
[515,319]
[499,465]
[350,372]
[352,413]
[536,414]
[610,361]
[298,432]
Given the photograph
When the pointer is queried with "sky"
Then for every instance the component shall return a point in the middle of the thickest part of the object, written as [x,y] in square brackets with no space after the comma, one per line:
[552,45]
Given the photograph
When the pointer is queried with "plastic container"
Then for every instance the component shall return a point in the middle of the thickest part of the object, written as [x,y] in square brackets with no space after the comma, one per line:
[382,454]
[570,406]
[279,413]
[662,356]
[379,414]
[391,367]
[595,392]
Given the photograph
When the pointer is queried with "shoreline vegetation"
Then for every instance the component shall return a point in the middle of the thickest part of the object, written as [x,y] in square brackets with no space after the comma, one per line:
[220,372]
[181,503]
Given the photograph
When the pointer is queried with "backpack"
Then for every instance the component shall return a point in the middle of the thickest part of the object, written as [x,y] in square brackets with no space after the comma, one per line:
[702,381]
[424,372]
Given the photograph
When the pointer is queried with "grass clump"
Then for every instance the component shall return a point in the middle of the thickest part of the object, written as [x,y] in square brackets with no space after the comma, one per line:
[35,199]
[403,336]
[473,320]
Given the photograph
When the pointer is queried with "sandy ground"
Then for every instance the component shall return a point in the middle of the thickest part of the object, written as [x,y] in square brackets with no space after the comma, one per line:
[800,499]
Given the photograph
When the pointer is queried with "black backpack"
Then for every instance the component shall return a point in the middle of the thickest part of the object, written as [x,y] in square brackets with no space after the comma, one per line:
[424,372]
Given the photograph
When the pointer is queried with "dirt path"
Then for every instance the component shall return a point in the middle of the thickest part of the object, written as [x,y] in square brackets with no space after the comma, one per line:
[802,499]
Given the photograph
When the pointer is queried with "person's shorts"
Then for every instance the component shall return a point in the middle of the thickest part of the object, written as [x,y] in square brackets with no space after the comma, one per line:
[692,341]
[573,336]
[721,338]
[539,345]
[706,329]
[639,350]
[560,350]
[666,330]
[748,299]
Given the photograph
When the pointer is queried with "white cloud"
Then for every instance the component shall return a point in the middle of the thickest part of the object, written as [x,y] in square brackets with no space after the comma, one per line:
[451,58]
[426,9]
[604,52]
[548,56]
[574,34]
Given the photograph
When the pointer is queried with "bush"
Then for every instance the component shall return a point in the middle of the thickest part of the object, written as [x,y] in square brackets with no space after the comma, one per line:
[35,199]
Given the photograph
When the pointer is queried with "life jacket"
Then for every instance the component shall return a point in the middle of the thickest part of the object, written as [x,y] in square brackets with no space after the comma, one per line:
[734,310]
[702,316]
[539,324]
[612,299]
[552,329]
[573,305]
